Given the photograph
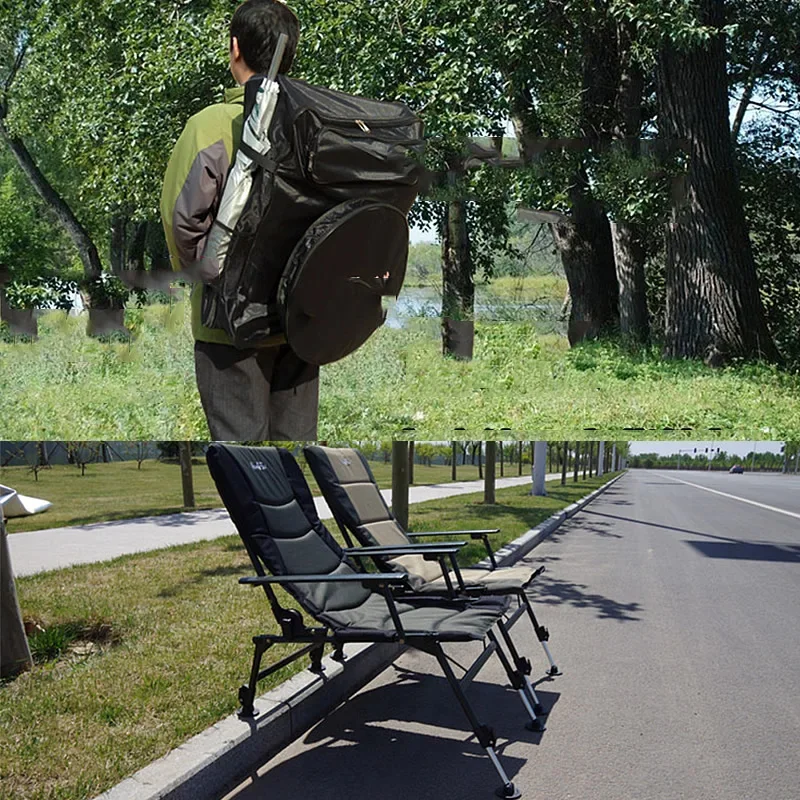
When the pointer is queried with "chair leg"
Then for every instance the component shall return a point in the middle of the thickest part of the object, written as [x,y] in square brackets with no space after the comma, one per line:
[520,683]
[524,668]
[541,632]
[247,692]
[486,736]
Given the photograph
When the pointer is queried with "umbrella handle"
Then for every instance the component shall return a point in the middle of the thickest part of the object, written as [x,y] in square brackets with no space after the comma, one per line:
[277,58]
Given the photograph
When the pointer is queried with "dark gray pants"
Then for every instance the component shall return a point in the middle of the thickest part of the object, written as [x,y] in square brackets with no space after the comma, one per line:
[257,395]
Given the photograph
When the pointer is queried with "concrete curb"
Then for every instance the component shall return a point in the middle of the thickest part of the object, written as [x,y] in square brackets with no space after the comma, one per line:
[216,760]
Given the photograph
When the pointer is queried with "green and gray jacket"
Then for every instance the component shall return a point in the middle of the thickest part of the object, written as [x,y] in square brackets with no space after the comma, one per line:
[193,186]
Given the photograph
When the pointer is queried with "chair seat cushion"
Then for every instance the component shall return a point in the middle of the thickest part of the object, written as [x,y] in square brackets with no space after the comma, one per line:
[502,580]
[455,621]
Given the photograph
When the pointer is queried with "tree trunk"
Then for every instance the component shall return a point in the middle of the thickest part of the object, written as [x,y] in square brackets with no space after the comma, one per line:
[587,254]
[411,463]
[136,249]
[564,464]
[628,236]
[713,307]
[458,286]
[577,461]
[584,240]
[629,256]
[185,457]
[489,482]
[538,469]
[80,238]
[454,469]
[400,482]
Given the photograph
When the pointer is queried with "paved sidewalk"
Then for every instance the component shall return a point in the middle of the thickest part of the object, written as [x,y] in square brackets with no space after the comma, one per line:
[55,548]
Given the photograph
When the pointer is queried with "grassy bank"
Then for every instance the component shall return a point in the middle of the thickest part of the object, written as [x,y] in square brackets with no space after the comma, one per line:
[68,386]
[171,645]
[120,490]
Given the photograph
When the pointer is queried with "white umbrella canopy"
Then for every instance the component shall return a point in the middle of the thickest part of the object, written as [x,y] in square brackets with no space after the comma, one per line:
[15,504]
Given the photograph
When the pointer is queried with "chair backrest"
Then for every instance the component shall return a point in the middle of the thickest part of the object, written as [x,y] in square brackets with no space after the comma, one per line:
[352,493]
[270,503]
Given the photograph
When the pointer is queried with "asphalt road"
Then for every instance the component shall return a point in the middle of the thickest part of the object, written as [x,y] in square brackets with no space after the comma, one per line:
[674,616]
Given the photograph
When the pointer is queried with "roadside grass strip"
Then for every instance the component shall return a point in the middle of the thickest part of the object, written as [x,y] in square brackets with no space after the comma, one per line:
[150,649]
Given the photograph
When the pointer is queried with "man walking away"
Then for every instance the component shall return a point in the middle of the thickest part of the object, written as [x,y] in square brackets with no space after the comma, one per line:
[257,395]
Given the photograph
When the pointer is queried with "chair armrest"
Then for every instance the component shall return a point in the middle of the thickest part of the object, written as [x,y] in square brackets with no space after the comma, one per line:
[480,534]
[406,549]
[379,579]
[471,534]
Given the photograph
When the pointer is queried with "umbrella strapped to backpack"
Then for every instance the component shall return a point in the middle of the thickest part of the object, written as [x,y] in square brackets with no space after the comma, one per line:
[253,149]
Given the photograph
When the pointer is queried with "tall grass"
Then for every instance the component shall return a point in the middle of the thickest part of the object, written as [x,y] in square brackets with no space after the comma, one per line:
[69,386]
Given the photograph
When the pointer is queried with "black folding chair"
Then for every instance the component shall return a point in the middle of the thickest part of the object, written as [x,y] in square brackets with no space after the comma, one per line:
[271,505]
[351,491]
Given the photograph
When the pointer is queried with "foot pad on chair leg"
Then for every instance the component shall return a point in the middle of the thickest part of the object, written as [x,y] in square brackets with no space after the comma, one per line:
[535,725]
[508,791]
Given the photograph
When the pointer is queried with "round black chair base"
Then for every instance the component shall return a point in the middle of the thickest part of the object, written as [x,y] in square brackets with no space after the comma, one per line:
[536,727]
[508,791]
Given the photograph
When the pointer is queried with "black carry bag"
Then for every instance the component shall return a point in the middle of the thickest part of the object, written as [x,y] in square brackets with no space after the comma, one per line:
[323,236]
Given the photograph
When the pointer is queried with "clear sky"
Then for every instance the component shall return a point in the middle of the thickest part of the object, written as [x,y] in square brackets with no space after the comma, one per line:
[733,448]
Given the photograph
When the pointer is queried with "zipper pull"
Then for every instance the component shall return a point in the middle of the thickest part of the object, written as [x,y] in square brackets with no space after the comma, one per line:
[363,125]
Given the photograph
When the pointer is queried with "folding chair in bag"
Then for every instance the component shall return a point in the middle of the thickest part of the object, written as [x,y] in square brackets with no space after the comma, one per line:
[270,503]
[353,496]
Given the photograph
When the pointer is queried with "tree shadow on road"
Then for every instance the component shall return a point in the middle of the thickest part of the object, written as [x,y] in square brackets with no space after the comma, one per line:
[549,590]
[748,551]
[597,527]
[724,546]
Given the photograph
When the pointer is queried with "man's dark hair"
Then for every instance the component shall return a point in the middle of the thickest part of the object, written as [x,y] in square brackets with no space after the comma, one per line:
[257,24]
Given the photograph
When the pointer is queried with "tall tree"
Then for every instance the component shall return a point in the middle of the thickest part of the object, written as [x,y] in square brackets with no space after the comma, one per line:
[18,22]
[713,307]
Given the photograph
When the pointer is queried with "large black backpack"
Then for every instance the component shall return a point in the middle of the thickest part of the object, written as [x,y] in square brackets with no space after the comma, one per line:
[323,236]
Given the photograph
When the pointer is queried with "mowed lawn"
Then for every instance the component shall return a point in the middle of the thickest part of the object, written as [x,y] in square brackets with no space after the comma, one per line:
[176,647]
[120,490]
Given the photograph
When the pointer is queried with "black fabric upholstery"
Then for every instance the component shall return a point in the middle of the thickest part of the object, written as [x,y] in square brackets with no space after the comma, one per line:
[257,485]
[271,505]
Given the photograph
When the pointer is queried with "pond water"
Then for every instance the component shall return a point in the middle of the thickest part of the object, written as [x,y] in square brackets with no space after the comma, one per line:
[427,302]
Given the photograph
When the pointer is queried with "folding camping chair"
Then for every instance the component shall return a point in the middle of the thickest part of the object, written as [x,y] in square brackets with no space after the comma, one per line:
[271,505]
[352,494]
